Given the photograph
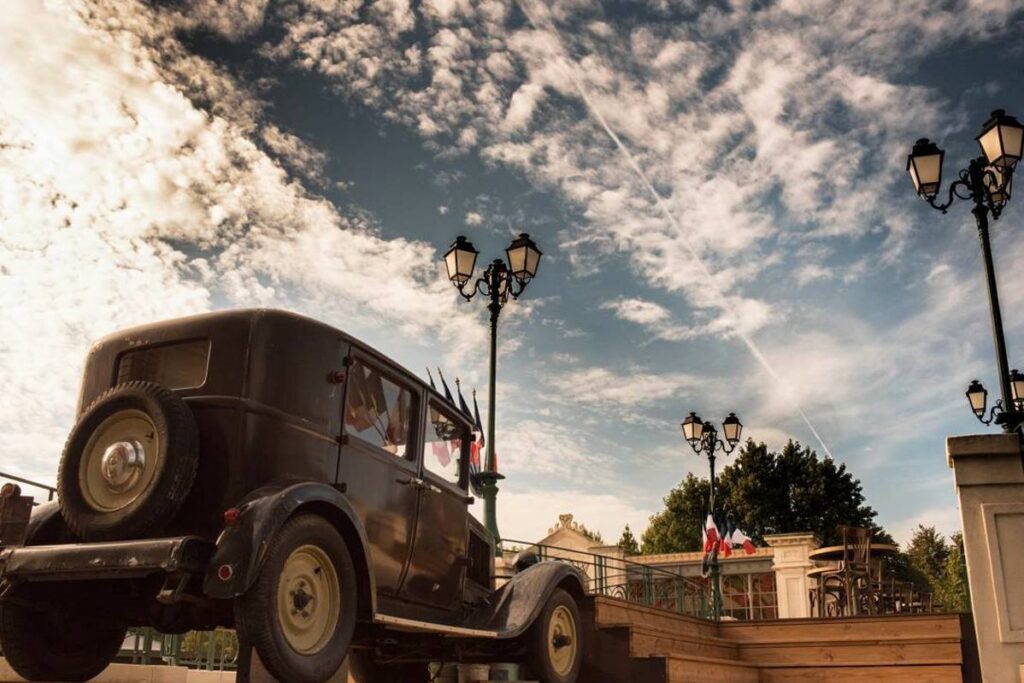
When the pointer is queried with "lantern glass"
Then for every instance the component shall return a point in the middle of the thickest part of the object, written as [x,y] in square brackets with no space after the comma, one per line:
[978,398]
[693,428]
[460,260]
[523,257]
[1017,387]
[924,164]
[1002,140]
[732,428]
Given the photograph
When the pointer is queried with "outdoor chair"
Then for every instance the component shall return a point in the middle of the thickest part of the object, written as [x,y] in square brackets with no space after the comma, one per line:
[853,576]
[904,595]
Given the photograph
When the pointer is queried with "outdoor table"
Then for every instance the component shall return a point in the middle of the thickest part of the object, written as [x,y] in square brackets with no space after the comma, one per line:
[833,554]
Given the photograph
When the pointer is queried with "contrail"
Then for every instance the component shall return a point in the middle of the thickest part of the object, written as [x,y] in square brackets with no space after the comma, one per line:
[723,302]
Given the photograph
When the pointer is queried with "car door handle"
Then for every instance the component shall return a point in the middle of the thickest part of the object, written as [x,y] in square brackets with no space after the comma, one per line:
[414,482]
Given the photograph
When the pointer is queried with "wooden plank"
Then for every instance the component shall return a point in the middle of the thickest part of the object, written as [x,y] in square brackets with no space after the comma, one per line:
[880,628]
[645,642]
[708,670]
[864,674]
[855,653]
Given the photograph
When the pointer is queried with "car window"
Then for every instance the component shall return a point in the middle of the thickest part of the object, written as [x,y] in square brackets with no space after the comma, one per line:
[445,438]
[377,410]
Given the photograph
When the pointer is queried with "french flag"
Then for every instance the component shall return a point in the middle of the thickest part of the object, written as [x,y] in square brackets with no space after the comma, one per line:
[710,535]
[739,538]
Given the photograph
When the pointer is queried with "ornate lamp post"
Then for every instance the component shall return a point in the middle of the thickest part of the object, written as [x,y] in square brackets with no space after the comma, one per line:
[987,182]
[703,438]
[500,281]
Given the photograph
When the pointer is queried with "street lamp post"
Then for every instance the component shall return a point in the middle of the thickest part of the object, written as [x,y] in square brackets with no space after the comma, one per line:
[499,281]
[987,182]
[703,438]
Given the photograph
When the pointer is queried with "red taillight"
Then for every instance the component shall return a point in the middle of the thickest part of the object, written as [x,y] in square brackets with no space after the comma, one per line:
[225,572]
[231,516]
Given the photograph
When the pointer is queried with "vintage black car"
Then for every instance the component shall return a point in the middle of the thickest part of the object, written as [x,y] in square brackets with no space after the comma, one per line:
[260,470]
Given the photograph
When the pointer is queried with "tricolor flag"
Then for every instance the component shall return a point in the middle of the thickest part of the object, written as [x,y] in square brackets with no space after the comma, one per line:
[710,535]
[738,538]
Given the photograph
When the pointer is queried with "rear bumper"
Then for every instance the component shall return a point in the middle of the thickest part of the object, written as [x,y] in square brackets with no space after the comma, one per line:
[115,560]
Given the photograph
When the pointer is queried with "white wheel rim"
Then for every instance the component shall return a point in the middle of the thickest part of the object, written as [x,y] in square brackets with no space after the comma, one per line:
[308,599]
[562,640]
[107,491]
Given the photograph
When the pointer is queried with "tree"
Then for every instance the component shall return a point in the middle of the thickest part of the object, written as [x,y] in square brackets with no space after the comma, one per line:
[766,493]
[628,542]
[928,553]
[953,591]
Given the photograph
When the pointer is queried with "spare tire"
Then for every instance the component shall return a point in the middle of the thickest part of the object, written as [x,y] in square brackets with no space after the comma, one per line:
[128,464]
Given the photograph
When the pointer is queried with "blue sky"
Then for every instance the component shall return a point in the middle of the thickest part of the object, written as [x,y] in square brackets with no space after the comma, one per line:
[718,188]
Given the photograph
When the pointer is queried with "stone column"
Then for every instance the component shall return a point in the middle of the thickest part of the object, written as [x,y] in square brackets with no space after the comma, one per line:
[791,562]
[989,474]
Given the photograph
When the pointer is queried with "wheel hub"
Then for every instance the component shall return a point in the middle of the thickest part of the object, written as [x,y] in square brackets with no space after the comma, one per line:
[120,460]
[122,463]
[309,599]
[562,645]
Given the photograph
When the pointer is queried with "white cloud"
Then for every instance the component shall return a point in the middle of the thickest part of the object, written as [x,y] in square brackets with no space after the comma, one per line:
[474,218]
[527,516]
[123,203]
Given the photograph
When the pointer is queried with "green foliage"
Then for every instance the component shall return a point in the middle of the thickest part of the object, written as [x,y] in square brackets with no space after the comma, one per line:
[767,493]
[952,589]
[628,543]
[936,566]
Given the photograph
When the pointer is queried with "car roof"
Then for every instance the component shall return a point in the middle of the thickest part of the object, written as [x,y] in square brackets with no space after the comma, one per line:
[255,315]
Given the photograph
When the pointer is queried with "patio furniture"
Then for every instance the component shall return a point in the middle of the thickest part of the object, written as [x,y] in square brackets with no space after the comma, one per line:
[851,582]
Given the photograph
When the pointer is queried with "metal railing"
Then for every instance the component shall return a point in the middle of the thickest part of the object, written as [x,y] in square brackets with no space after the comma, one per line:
[204,650]
[631,581]
[51,492]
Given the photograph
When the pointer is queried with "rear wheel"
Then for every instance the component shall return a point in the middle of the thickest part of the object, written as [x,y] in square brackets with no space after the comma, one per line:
[363,669]
[65,644]
[300,613]
[553,642]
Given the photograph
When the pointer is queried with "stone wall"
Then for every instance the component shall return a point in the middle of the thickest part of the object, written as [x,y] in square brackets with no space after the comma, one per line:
[989,473]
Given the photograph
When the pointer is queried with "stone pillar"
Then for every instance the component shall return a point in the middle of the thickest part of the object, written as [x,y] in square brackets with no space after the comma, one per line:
[989,474]
[791,561]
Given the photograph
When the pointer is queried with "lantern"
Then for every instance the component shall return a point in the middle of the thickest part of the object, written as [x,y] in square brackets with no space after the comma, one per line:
[924,164]
[460,259]
[1017,389]
[732,428]
[978,398]
[1002,140]
[523,257]
[693,429]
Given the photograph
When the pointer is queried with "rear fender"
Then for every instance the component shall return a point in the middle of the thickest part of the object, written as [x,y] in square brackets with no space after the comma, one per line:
[512,609]
[242,546]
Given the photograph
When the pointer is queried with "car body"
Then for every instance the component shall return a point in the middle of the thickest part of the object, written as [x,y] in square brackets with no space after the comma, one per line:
[296,417]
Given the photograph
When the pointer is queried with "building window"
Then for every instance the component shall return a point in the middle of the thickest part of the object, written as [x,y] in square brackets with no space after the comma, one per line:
[763,597]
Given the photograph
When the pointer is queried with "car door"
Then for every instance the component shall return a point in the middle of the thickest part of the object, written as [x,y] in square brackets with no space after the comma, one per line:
[438,563]
[378,467]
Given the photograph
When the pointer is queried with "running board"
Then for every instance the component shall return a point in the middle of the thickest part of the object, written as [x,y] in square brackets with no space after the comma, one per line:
[400,624]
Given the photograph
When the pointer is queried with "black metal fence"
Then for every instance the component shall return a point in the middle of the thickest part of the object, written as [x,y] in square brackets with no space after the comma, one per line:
[205,650]
[51,492]
[630,581]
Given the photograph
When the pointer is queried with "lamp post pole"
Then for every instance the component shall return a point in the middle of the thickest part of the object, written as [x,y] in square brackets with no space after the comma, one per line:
[715,570]
[987,183]
[499,281]
[489,477]
[703,438]
[1010,420]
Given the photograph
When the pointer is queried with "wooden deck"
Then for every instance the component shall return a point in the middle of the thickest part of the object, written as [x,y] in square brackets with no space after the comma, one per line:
[631,643]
